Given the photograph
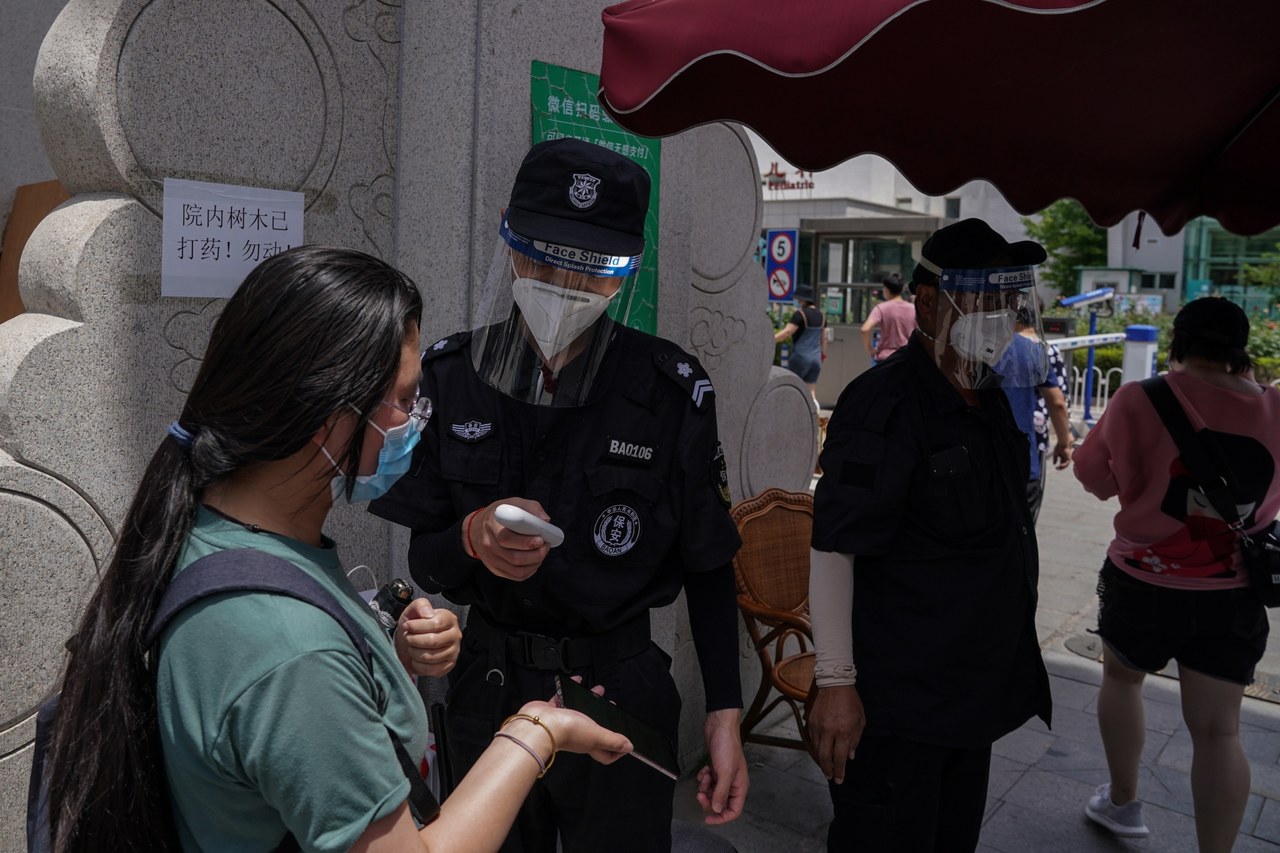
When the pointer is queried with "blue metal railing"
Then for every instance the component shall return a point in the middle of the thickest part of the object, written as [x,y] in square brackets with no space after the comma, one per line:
[1090,342]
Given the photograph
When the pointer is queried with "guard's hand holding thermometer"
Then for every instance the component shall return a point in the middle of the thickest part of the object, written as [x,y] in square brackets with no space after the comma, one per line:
[516,519]
[509,537]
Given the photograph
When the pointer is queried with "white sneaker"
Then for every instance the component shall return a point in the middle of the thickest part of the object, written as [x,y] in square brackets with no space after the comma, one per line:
[1123,820]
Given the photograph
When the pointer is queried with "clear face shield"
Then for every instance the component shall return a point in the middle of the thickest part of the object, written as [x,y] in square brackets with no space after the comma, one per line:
[991,334]
[547,316]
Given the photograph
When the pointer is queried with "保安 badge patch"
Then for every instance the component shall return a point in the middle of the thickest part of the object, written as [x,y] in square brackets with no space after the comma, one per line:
[616,530]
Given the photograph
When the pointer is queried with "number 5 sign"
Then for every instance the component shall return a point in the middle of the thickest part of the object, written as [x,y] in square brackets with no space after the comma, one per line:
[780,264]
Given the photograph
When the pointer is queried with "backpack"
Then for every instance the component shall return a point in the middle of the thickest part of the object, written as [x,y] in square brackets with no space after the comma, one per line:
[238,570]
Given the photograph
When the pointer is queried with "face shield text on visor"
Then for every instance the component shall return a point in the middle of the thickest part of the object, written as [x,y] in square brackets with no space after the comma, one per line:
[547,315]
[995,335]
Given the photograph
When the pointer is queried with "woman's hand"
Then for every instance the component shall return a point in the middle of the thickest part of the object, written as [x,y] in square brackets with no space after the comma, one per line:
[576,732]
[427,640]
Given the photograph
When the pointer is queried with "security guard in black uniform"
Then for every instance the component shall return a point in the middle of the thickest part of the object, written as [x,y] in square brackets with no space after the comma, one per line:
[924,563]
[557,407]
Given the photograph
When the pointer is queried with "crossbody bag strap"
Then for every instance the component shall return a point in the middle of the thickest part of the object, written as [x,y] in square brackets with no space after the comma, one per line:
[1190,446]
[251,570]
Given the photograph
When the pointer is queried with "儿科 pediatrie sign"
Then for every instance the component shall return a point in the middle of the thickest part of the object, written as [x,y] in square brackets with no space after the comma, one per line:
[214,234]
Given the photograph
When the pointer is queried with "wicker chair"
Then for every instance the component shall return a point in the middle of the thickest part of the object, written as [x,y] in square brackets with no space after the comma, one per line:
[772,570]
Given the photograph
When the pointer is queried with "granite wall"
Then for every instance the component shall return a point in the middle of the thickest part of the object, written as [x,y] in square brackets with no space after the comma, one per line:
[24,162]
[403,127]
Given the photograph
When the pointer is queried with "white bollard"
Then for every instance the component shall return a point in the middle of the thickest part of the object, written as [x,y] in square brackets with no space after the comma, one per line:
[1140,344]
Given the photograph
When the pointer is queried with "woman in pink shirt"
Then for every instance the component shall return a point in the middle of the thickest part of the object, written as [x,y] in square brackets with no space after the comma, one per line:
[1172,585]
[896,318]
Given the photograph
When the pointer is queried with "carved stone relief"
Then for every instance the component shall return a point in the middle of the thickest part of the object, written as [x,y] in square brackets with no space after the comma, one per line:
[767,422]
[279,93]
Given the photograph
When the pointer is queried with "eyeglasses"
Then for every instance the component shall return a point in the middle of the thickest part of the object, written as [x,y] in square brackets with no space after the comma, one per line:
[419,413]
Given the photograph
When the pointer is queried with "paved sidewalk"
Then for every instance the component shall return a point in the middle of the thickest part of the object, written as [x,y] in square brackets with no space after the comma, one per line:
[1040,780]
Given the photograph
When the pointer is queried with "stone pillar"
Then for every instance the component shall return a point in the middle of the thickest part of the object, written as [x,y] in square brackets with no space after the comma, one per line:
[465,125]
[272,93]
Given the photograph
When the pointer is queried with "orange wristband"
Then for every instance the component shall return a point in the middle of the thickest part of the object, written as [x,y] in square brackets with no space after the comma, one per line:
[470,518]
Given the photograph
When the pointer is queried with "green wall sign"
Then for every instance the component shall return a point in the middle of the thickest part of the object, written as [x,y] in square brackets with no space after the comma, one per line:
[564,104]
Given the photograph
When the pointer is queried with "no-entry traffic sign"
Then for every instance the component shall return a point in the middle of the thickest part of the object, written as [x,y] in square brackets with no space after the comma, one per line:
[780,264]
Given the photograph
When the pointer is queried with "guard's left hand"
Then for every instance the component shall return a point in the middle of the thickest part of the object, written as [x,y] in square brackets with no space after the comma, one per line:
[428,640]
[722,787]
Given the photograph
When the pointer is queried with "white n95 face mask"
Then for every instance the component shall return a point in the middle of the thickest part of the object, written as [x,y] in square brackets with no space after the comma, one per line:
[983,335]
[556,316]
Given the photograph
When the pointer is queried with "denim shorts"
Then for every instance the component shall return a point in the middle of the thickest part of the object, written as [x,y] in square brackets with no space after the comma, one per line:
[1219,632]
[807,369]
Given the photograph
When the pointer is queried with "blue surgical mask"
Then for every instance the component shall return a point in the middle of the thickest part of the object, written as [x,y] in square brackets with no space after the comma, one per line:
[393,461]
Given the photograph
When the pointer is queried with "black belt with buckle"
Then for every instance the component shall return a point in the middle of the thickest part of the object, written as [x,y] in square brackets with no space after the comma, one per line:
[562,654]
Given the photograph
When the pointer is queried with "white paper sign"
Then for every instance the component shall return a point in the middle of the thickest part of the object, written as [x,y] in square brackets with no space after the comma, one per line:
[214,234]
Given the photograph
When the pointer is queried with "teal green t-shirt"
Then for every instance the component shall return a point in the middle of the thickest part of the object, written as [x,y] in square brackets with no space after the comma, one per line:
[267,713]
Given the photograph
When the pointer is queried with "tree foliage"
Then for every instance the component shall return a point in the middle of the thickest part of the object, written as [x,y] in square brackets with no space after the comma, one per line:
[1265,274]
[1072,241]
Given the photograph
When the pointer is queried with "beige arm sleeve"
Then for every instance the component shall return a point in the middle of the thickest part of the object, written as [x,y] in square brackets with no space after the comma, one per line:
[831,612]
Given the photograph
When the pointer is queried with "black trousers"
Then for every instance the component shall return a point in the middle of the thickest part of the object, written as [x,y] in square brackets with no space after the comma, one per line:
[902,796]
[625,806]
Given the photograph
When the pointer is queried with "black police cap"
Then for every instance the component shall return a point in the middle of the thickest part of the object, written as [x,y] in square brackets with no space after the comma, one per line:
[972,244]
[579,194]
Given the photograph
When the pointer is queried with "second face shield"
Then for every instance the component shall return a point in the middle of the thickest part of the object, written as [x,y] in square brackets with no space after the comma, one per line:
[995,326]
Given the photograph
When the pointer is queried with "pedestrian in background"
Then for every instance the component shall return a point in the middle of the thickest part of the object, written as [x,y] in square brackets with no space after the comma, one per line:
[895,317]
[808,326]
[1028,401]
[924,561]
[556,406]
[1172,585]
[1044,421]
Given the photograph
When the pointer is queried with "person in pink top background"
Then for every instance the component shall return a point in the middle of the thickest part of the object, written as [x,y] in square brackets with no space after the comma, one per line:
[895,317]
[1172,584]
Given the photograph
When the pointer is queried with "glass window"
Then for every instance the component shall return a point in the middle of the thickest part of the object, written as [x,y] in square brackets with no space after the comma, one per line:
[877,257]
[952,208]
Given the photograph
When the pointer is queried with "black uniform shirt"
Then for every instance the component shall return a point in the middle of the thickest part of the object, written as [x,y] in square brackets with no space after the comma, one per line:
[928,494]
[634,478]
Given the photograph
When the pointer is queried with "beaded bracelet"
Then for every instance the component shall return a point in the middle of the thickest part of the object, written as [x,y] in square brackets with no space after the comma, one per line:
[542,765]
[533,718]
[470,518]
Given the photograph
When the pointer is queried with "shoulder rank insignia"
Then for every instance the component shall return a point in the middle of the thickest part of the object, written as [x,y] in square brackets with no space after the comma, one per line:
[685,371]
[444,346]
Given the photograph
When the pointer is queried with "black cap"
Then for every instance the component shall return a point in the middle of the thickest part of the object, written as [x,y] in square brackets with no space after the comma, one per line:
[1213,319]
[804,292]
[579,194]
[972,244]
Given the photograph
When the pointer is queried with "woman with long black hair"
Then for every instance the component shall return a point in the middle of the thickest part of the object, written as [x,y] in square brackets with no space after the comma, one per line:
[257,721]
